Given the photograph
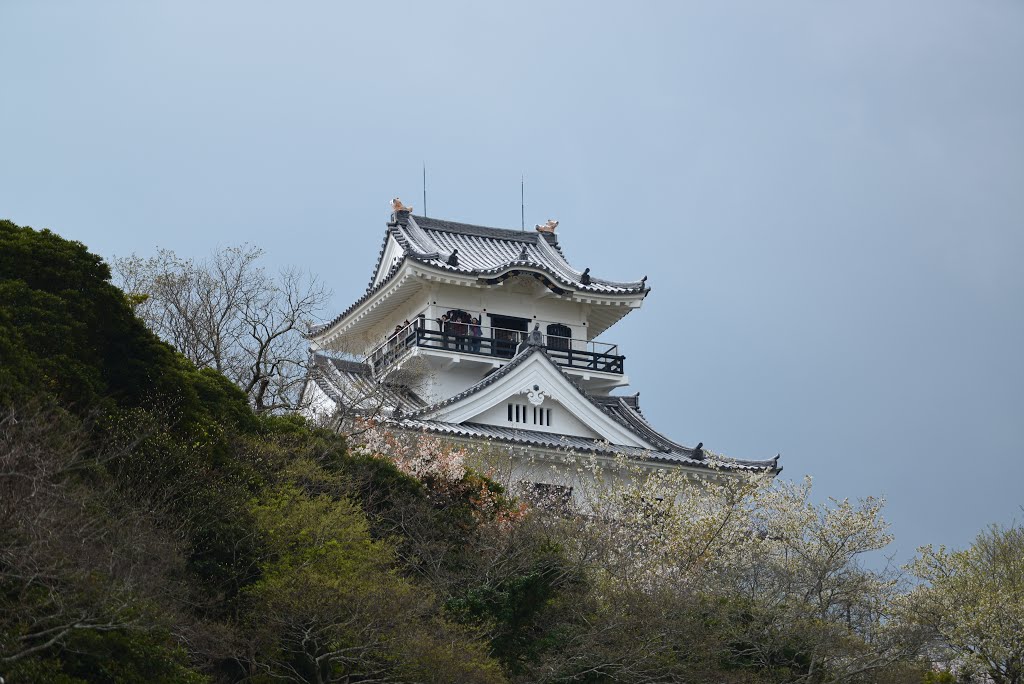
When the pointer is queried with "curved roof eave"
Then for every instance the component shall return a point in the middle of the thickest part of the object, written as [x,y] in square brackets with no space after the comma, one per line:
[318,333]
[498,271]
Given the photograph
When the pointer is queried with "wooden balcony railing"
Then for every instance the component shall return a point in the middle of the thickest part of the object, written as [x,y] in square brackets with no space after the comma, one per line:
[501,343]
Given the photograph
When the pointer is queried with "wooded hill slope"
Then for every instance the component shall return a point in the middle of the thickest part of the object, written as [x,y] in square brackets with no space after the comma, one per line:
[154,529]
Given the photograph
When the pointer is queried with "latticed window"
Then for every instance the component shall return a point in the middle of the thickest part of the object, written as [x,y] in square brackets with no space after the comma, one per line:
[558,336]
[521,413]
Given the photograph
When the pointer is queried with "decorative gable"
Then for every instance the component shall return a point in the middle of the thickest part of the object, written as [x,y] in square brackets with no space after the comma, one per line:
[391,254]
[535,394]
[542,414]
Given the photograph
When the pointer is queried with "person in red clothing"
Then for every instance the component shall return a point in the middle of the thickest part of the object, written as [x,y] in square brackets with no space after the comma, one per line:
[474,335]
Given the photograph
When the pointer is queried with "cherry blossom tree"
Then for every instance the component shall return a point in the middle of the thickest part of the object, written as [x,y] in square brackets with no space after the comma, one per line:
[973,603]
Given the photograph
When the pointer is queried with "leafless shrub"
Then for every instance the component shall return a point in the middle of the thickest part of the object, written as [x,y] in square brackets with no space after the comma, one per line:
[227,313]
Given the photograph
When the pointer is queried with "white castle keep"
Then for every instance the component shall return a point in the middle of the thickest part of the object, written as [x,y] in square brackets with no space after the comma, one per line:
[503,335]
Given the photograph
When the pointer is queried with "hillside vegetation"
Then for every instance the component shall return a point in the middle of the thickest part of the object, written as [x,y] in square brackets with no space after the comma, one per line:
[153,528]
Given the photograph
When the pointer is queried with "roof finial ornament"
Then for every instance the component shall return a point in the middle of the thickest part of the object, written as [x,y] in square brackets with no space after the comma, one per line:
[548,227]
[397,206]
[524,255]
[585,278]
[453,260]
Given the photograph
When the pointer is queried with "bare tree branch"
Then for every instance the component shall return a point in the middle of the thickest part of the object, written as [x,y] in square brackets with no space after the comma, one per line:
[228,314]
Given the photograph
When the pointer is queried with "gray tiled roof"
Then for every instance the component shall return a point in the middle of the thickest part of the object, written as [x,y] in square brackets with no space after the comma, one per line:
[573,444]
[482,252]
[352,385]
[492,251]
[334,375]
[622,409]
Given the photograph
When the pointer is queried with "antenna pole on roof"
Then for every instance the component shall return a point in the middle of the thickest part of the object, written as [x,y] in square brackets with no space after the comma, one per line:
[424,188]
[522,203]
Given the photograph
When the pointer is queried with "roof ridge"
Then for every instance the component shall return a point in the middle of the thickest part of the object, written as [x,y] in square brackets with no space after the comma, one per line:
[418,239]
[483,231]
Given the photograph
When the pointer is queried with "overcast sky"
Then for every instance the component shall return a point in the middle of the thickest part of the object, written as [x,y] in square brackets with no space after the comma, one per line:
[828,198]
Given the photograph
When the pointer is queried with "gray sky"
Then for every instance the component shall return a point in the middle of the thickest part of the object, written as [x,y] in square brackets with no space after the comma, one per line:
[828,197]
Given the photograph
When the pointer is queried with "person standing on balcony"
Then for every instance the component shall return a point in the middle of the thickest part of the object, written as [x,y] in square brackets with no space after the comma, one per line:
[459,326]
[444,324]
[474,334]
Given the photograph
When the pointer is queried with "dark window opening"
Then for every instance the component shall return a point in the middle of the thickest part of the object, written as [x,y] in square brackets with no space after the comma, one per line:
[559,336]
[508,332]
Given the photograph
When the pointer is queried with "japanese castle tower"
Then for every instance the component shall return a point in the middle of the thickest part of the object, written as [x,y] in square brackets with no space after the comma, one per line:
[503,332]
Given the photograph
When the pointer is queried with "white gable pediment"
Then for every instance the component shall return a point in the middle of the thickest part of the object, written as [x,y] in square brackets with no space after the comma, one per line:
[392,253]
[536,384]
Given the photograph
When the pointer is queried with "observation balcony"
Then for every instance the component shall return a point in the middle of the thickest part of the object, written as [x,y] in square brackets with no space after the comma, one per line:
[493,344]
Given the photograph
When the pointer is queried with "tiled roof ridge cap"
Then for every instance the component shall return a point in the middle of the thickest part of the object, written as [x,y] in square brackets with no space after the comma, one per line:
[415,240]
[639,418]
[765,464]
[380,259]
[516,234]
[629,287]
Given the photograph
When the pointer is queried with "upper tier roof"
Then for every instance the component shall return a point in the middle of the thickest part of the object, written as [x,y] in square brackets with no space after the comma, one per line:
[486,251]
[488,254]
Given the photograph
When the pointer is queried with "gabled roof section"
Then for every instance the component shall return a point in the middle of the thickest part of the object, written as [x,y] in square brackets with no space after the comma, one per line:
[632,434]
[579,445]
[351,385]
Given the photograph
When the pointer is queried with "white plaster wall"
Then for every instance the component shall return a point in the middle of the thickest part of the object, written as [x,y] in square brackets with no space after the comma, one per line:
[512,300]
[318,405]
[522,298]
[513,466]
[562,422]
[442,384]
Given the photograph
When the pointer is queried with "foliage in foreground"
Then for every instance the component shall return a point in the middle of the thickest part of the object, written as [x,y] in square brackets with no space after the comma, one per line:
[144,534]
[973,603]
[740,578]
[154,528]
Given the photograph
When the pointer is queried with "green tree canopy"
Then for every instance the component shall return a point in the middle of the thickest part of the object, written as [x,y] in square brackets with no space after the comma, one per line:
[974,603]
